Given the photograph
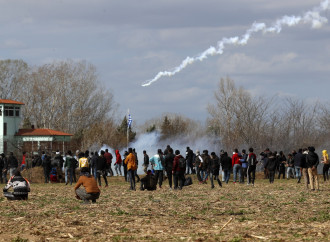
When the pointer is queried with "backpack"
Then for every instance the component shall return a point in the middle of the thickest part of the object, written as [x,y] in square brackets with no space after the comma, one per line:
[182,163]
[252,160]
[188,181]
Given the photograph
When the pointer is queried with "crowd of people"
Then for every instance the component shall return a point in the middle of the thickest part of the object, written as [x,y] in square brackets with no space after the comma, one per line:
[165,165]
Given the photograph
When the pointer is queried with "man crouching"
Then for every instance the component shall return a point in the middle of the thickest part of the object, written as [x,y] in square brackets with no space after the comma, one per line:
[20,185]
[91,191]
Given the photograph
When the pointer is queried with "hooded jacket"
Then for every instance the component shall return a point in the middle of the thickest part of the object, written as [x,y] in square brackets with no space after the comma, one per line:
[312,159]
[130,161]
[236,160]
[118,157]
[169,159]
[176,167]
[298,159]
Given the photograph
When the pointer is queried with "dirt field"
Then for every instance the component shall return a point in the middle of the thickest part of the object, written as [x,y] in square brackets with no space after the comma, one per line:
[283,211]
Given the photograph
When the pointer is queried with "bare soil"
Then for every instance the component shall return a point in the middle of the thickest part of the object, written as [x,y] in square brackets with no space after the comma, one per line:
[283,211]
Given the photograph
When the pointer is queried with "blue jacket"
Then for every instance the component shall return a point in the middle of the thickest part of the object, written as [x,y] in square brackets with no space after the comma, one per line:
[243,160]
[156,162]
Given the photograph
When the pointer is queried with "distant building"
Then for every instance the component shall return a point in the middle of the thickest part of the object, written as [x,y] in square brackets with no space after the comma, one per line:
[12,138]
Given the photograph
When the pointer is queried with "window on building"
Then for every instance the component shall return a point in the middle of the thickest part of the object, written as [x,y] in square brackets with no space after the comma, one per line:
[4,129]
[17,111]
[9,111]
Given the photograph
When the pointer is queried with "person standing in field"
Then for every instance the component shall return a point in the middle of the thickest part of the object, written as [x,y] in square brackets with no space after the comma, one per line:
[23,164]
[69,167]
[243,160]
[297,164]
[130,161]
[157,163]
[108,156]
[178,170]
[326,164]
[214,169]
[3,168]
[271,166]
[290,167]
[169,159]
[237,166]
[281,163]
[145,161]
[137,165]
[118,163]
[226,163]
[252,165]
[125,165]
[47,165]
[205,166]
[101,168]
[312,163]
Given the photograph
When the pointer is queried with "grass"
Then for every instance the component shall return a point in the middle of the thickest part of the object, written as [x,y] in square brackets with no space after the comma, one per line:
[283,211]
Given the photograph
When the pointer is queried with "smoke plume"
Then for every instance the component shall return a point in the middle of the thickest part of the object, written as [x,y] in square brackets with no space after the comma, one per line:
[312,17]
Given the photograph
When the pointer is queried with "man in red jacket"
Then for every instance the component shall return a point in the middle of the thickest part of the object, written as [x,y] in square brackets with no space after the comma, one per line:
[179,167]
[237,166]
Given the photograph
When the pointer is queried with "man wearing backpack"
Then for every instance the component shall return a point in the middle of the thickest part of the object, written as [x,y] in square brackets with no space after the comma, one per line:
[252,164]
[244,164]
[178,170]
[157,162]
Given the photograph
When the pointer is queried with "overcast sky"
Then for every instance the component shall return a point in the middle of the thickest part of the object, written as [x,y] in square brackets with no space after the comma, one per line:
[130,41]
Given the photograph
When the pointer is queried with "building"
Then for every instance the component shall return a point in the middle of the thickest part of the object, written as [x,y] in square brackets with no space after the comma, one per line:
[14,139]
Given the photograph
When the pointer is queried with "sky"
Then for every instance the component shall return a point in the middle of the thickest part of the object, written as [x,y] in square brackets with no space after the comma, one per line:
[130,41]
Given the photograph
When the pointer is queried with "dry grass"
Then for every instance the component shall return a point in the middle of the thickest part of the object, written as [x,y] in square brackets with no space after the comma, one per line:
[283,211]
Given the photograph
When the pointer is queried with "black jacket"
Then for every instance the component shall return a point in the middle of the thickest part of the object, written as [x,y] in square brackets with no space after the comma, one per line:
[146,160]
[12,162]
[214,166]
[312,159]
[298,159]
[101,164]
[169,158]
[225,162]
[271,163]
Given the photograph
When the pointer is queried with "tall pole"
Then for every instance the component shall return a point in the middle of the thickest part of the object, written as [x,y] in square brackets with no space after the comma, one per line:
[127,128]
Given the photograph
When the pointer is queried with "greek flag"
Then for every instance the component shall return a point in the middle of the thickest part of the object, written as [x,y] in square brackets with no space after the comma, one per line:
[129,123]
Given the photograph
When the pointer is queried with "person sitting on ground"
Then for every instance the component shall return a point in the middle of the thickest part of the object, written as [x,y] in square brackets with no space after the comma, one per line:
[20,185]
[149,182]
[91,191]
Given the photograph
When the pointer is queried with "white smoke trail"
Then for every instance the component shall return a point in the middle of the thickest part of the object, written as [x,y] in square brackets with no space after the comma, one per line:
[312,17]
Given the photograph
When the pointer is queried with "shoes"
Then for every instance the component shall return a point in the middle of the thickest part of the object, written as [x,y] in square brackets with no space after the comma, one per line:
[212,187]
[106,186]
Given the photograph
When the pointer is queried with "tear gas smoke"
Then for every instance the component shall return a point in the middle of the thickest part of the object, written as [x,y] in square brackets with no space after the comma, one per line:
[312,17]
[151,143]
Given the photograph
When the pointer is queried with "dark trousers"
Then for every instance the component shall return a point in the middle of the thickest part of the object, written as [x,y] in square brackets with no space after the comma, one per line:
[281,171]
[271,176]
[199,174]
[11,196]
[169,177]
[3,175]
[244,173]
[136,175]
[326,172]
[178,179]
[266,173]
[47,175]
[125,172]
[216,177]
[109,169]
[251,174]
[103,173]
[81,193]
[131,175]
[159,177]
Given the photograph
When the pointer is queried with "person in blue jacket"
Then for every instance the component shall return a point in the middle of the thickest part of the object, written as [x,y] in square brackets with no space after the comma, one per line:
[157,162]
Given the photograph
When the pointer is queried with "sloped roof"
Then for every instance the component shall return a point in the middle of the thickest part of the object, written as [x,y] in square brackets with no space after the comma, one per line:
[41,132]
[7,101]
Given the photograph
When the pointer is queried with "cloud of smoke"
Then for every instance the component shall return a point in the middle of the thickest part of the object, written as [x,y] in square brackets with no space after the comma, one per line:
[151,142]
[312,17]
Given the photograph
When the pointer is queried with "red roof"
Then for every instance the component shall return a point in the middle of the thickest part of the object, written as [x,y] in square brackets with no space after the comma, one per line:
[7,101]
[41,132]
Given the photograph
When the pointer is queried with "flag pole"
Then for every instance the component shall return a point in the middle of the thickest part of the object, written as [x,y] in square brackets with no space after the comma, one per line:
[127,127]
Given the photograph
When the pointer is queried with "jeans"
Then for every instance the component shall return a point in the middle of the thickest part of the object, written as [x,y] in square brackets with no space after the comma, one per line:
[237,168]
[204,175]
[189,167]
[68,174]
[288,171]
[226,175]
[118,167]
[131,175]
[298,172]
[159,177]
[81,193]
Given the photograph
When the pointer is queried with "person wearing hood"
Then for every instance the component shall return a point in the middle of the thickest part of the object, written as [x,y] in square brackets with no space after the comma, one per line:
[118,162]
[226,163]
[157,162]
[271,166]
[178,170]
[312,161]
[326,165]
[90,192]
